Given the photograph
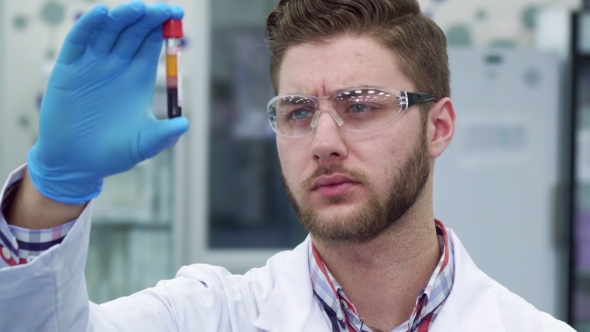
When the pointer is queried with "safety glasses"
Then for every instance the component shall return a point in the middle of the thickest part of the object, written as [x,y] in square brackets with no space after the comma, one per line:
[359,109]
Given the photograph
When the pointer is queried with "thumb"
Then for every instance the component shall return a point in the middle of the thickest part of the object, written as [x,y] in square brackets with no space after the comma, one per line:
[156,135]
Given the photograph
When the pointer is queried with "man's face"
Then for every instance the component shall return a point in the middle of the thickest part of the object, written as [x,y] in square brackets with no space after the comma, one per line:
[345,185]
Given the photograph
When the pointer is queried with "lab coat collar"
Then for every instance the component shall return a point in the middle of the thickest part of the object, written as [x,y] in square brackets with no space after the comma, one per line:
[291,302]
[472,304]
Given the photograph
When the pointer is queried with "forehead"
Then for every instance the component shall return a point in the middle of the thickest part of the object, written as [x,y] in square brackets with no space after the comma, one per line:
[343,62]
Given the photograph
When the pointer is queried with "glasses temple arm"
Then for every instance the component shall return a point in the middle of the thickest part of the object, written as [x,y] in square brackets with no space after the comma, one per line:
[419,97]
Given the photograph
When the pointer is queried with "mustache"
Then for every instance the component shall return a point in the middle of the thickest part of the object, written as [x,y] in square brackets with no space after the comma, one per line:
[334,168]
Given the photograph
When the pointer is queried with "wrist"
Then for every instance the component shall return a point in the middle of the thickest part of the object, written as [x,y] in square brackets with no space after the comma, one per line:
[32,210]
[9,197]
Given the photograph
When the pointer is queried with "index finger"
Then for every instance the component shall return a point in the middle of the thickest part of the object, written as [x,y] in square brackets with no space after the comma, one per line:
[77,39]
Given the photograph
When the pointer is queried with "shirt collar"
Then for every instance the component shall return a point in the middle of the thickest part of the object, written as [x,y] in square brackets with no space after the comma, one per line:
[341,314]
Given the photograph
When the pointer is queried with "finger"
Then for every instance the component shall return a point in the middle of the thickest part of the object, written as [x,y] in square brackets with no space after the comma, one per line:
[177,12]
[156,136]
[151,47]
[132,38]
[77,39]
[117,20]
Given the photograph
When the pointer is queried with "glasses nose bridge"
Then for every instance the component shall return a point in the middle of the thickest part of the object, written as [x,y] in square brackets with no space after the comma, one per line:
[321,103]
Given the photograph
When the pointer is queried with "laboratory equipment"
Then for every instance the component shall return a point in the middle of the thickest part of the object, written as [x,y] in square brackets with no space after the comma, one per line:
[172,32]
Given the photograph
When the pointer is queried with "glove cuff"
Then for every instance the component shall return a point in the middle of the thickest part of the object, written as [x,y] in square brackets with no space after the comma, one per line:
[62,185]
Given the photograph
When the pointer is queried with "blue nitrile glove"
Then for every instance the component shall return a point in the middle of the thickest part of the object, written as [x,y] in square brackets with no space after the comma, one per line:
[96,118]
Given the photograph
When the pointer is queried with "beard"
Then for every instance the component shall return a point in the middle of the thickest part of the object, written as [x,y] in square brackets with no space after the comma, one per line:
[374,217]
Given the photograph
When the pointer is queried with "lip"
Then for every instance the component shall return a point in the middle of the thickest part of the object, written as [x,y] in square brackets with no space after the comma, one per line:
[332,180]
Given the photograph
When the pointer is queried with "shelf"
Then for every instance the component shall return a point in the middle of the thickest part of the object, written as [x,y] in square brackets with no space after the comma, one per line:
[130,224]
[113,212]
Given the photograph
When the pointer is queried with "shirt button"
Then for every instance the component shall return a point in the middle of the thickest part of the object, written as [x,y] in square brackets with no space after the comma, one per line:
[31,258]
[340,316]
[6,253]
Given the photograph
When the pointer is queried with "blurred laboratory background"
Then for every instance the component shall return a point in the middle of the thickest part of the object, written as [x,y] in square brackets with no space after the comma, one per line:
[514,184]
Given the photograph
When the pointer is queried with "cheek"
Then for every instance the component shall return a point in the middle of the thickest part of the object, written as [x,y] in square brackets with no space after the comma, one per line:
[292,160]
[382,157]
[372,157]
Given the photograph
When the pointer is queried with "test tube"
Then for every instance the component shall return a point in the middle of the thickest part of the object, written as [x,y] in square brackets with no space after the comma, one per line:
[172,33]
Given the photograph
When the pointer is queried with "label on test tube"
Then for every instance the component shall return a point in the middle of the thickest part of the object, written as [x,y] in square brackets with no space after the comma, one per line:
[179,76]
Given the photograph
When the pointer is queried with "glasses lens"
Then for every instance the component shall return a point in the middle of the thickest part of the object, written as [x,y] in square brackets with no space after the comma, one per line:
[366,109]
[292,115]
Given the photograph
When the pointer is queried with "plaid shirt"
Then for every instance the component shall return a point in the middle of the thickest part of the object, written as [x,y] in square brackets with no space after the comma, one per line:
[341,314]
[19,245]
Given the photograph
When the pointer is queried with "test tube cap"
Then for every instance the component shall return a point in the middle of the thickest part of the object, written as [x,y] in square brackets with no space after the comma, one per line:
[172,29]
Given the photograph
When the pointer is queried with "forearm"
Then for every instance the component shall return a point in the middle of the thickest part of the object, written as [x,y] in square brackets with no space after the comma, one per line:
[30,209]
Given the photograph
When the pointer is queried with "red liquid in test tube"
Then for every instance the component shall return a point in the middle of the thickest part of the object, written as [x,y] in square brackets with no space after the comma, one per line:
[172,33]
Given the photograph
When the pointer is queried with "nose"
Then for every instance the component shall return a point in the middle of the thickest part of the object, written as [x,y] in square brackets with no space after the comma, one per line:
[328,145]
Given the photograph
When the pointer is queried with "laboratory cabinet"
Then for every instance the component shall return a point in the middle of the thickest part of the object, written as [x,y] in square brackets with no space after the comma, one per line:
[579,267]
[3,81]
[240,214]
[496,184]
[132,243]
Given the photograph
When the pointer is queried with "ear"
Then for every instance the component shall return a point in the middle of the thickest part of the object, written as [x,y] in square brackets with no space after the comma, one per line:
[441,126]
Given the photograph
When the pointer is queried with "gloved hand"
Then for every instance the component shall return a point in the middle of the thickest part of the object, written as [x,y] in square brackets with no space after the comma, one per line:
[96,118]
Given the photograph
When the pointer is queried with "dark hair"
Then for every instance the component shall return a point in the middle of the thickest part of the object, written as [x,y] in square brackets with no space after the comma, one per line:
[418,43]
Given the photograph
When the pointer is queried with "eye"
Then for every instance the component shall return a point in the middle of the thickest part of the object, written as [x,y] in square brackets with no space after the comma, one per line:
[359,108]
[299,114]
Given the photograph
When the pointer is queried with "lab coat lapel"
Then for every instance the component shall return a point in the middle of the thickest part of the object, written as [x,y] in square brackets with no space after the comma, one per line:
[472,304]
[291,303]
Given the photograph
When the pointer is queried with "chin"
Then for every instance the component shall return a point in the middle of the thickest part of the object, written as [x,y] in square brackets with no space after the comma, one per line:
[359,222]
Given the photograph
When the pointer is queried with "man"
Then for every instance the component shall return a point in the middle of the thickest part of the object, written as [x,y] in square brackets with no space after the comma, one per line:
[362,112]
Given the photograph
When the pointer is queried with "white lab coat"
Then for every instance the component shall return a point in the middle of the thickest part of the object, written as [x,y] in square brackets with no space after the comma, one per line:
[49,294]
